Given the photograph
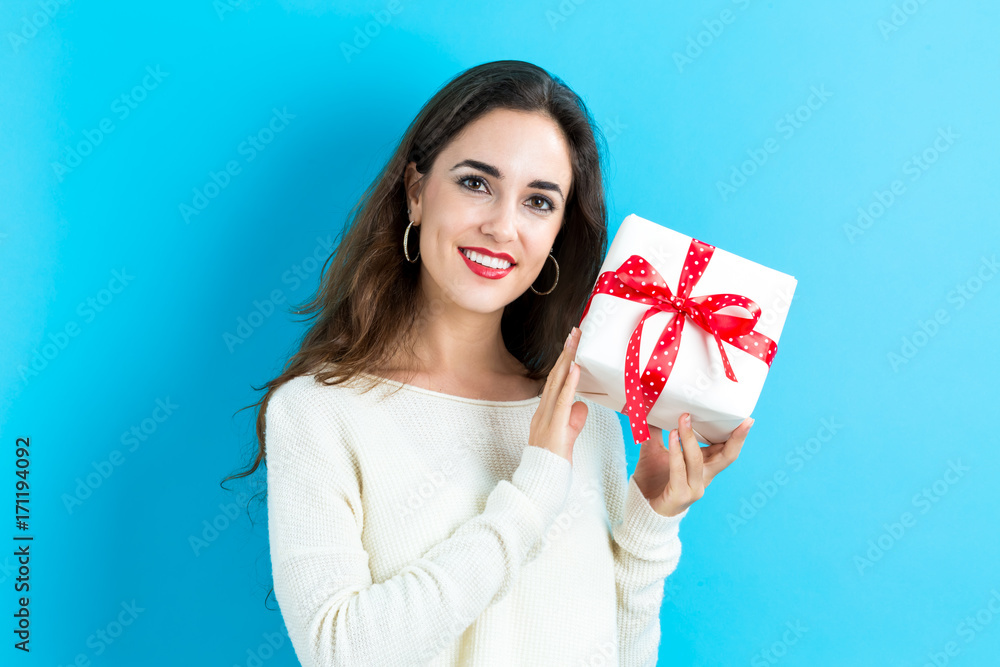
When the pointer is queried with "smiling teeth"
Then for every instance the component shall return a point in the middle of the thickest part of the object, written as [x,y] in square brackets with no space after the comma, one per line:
[491,262]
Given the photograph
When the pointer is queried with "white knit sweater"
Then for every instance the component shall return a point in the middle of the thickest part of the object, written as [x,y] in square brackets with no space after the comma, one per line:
[414,527]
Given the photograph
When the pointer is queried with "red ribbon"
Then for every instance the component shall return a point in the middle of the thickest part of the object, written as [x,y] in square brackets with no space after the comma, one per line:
[637,280]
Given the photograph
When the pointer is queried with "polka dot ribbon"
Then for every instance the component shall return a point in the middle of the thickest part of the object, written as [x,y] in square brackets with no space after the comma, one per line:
[637,280]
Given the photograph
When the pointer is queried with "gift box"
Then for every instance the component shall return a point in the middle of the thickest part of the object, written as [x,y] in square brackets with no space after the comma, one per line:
[676,325]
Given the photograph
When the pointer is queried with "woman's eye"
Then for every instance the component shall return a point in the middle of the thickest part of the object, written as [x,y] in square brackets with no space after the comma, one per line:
[544,204]
[478,184]
[473,179]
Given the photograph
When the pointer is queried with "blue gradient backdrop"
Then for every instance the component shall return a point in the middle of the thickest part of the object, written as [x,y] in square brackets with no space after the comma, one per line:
[860,524]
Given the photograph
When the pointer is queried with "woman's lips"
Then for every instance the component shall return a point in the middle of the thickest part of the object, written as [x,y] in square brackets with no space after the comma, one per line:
[485,271]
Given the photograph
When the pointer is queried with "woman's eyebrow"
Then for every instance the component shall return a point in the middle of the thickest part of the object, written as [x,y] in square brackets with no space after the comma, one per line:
[495,173]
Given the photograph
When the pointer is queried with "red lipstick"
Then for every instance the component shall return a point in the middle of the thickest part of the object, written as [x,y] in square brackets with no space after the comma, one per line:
[485,271]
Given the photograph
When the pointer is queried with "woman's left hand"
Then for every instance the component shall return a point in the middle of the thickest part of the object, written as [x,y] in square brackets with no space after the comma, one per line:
[673,478]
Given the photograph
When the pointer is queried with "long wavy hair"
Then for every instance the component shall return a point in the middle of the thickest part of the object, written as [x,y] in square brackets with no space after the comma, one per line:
[368,298]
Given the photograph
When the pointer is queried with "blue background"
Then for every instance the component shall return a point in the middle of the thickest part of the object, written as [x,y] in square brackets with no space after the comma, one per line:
[686,95]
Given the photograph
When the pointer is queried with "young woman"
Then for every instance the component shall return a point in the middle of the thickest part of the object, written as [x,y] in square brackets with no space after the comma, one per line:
[435,493]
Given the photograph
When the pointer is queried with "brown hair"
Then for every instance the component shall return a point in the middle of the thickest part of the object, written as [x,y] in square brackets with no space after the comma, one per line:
[368,298]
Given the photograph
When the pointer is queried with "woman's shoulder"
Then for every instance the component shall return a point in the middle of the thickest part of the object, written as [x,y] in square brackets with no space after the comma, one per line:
[322,411]
[315,391]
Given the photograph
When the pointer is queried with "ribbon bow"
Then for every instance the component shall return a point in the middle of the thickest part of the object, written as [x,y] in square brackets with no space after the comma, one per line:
[637,280]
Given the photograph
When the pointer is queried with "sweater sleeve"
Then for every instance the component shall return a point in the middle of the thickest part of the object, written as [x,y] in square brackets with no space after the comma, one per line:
[646,548]
[334,613]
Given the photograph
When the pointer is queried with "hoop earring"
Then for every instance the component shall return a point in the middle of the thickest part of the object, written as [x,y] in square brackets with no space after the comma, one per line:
[406,237]
[554,284]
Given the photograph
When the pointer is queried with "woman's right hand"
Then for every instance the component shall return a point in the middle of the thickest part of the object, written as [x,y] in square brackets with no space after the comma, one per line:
[558,420]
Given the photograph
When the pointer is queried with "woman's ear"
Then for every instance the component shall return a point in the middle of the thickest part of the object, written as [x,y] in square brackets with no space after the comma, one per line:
[412,182]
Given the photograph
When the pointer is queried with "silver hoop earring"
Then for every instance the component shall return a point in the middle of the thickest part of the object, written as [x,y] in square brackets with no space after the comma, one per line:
[406,237]
[553,284]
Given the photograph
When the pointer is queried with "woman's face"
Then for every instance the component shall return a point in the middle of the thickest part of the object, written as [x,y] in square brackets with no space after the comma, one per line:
[498,187]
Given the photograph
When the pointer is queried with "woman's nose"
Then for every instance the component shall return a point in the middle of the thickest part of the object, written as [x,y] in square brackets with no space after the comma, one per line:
[502,223]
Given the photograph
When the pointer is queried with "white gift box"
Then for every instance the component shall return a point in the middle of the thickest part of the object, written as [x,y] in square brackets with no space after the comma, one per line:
[696,381]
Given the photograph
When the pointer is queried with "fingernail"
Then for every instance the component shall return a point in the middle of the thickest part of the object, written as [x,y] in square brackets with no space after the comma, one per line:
[750,424]
[568,338]
[687,419]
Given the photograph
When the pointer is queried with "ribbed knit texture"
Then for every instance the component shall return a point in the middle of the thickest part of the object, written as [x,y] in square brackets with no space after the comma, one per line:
[412,527]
